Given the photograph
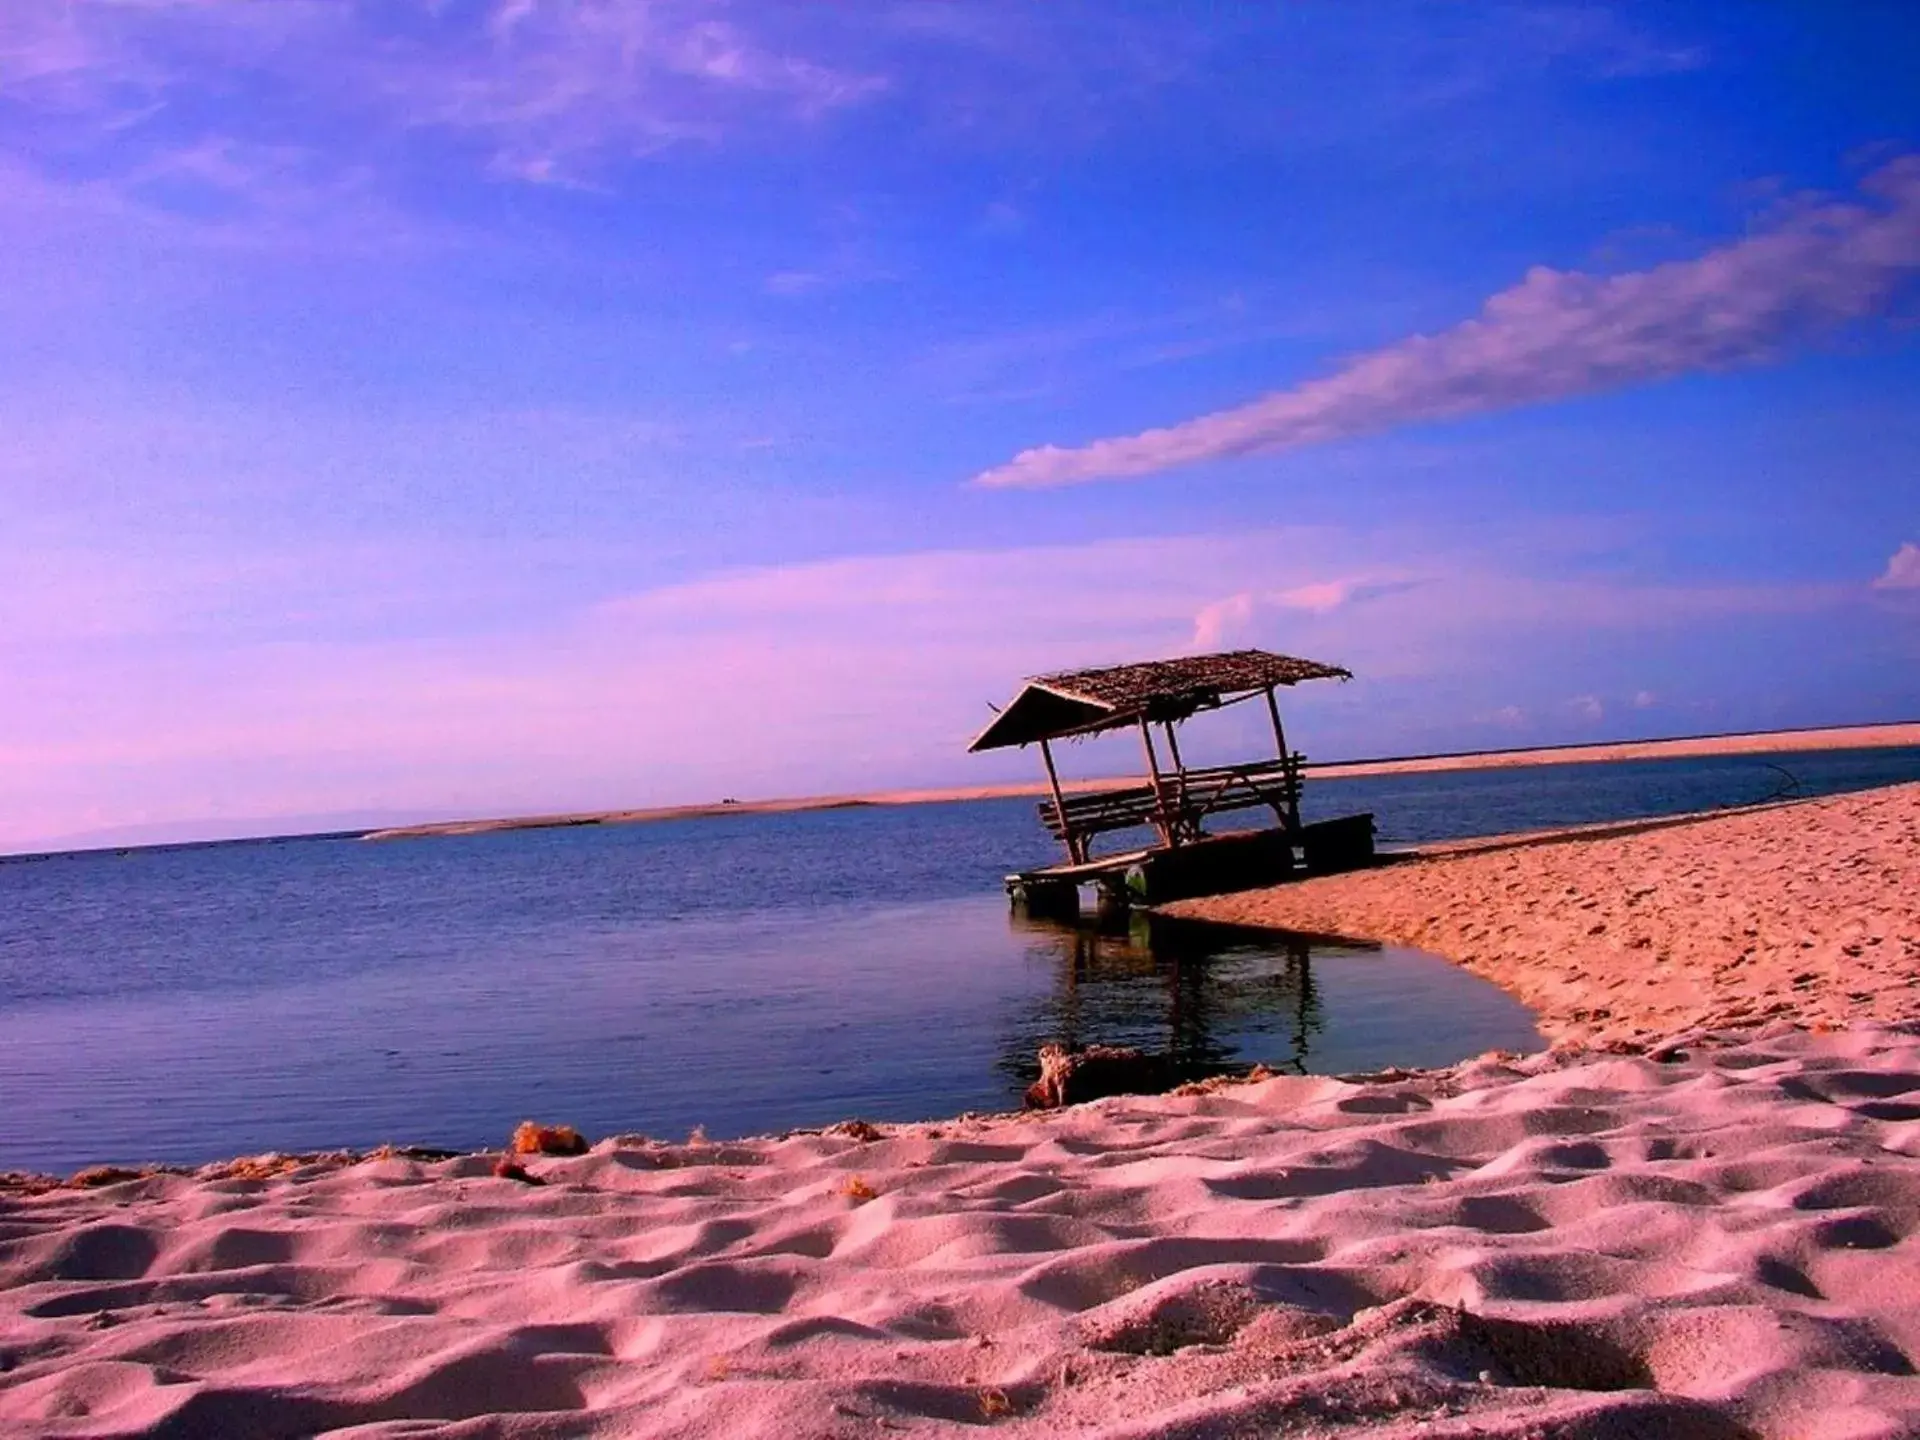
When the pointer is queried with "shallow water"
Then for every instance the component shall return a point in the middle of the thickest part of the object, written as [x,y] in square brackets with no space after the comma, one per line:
[746,974]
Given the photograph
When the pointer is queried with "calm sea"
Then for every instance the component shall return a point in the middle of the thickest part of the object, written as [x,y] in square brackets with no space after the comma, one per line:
[744,974]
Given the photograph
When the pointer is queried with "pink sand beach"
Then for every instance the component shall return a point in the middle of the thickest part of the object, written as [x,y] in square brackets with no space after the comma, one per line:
[1695,1216]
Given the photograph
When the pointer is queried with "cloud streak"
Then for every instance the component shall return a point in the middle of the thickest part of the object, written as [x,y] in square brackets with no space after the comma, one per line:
[1560,334]
[560,82]
[549,90]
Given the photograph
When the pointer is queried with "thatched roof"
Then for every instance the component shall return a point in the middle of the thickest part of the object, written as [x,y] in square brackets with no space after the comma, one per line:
[1083,702]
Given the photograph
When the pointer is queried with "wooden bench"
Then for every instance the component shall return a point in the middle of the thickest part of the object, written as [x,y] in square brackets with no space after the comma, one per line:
[1273,783]
[1101,811]
[1186,798]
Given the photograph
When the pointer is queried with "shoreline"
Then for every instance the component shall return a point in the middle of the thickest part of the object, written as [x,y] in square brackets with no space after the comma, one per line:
[1824,739]
[1802,907]
[1659,1226]
[1872,736]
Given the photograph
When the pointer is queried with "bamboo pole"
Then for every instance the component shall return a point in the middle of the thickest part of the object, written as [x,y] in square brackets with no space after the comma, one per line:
[1179,769]
[1161,823]
[1292,817]
[1173,748]
[1060,805]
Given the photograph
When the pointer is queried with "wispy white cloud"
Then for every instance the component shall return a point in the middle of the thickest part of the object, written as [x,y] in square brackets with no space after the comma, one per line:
[1903,570]
[1238,617]
[1601,40]
[1319,597]
[561,83]
[1557,334]
[564,92]
[548,90]
[1221,622]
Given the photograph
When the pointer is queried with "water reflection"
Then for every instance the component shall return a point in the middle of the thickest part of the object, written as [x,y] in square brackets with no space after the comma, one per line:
[1210,998]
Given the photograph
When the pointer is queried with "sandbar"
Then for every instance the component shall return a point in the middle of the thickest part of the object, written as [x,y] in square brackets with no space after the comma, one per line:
[1771,742]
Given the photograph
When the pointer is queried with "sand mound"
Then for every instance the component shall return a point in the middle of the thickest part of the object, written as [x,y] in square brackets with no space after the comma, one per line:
[1720,1243]
[1808,911]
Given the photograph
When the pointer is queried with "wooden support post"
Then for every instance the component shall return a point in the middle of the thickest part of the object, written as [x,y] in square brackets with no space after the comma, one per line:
[1179,772]
[1292,818]
[1161,822]
[1076,852]
[1173,749]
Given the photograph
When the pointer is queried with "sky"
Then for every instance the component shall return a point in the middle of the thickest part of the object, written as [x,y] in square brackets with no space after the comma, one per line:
[413,409]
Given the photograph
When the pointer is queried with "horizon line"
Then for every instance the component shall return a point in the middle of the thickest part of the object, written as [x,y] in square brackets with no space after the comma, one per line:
[1902,733]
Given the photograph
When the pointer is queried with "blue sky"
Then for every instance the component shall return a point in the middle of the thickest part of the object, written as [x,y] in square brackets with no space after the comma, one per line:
[477,406]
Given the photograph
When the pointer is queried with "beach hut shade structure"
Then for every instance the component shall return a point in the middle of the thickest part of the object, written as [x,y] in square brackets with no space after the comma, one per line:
[1162,693]
[1086,702]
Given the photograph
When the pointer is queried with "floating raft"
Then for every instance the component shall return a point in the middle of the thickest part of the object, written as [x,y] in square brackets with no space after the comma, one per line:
[1213,865]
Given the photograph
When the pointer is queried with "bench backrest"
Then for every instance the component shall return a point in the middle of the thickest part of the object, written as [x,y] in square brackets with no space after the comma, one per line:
[1206,791]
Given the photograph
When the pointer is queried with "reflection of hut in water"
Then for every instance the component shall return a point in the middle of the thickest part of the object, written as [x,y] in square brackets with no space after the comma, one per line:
[1183,860]
[1208,998]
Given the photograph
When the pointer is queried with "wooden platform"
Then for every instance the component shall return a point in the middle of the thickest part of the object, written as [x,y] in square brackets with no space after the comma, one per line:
[1212,865]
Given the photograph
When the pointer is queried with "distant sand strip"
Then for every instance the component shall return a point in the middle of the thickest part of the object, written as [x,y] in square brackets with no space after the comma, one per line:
[1842,737]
